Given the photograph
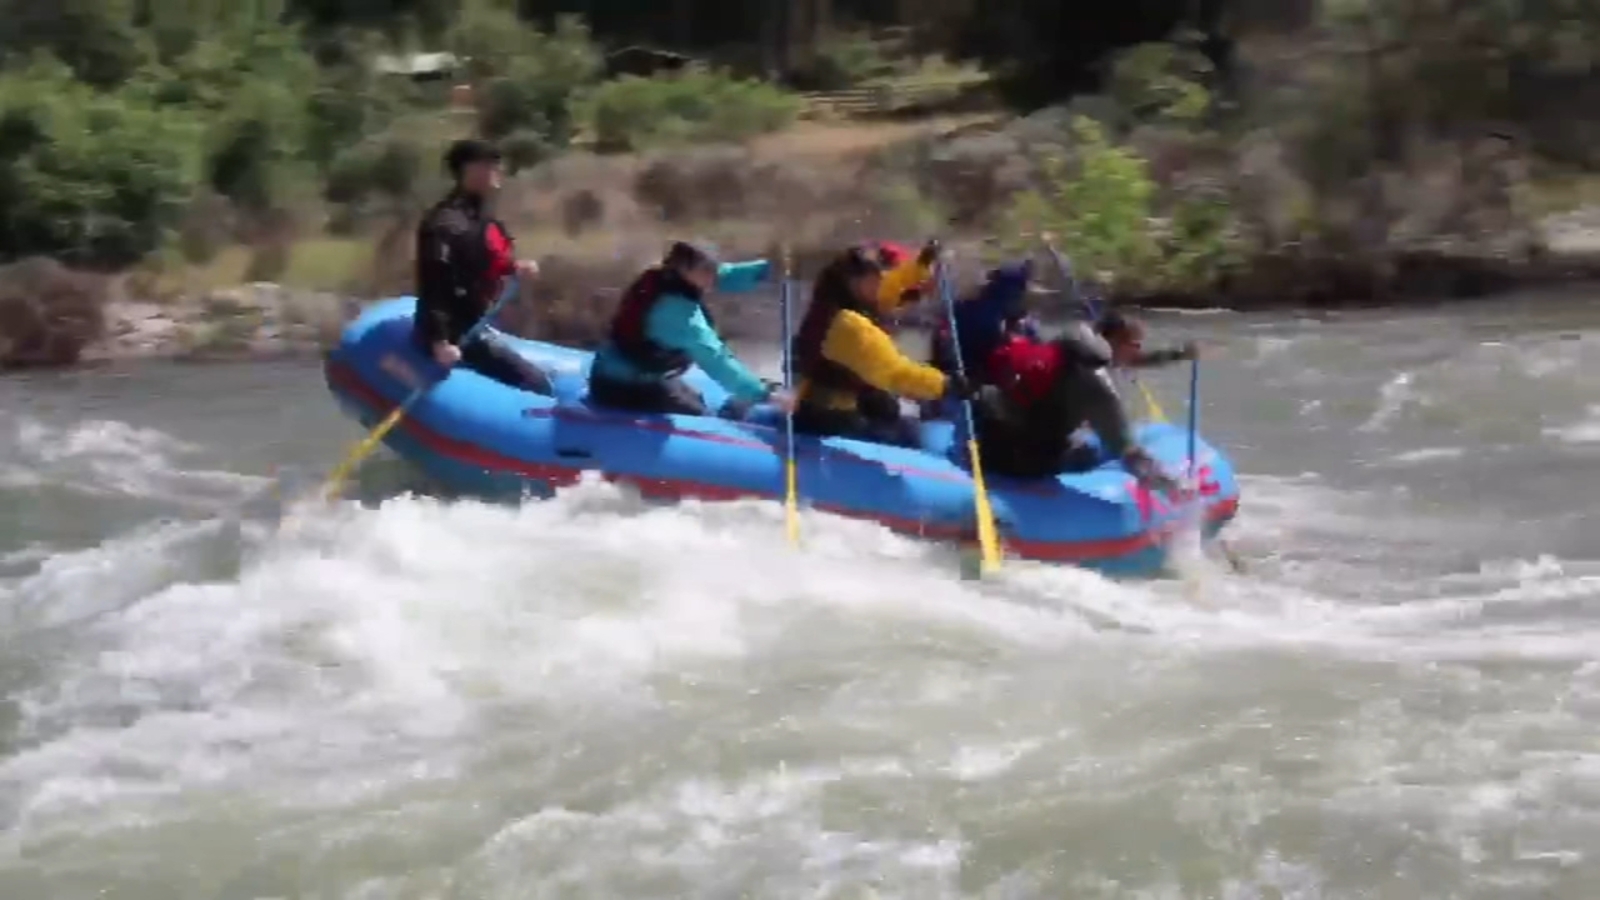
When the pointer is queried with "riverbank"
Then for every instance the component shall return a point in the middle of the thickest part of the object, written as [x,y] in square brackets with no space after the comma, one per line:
[594,221]
[264,320]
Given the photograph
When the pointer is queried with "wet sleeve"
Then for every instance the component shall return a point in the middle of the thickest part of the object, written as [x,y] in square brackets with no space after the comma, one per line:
[678,324]
[1163,357]
[440,247]
[1082,343]
[868,351]
[736,278]
[1105,414]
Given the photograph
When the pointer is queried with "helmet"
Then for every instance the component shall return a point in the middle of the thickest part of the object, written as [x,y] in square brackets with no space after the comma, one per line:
[464,153]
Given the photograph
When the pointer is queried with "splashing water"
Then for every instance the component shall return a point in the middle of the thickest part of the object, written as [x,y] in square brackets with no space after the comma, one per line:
[596,697]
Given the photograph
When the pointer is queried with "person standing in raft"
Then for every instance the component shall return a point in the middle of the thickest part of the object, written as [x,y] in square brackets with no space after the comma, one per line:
[662,327]
[463,259]
[846,362]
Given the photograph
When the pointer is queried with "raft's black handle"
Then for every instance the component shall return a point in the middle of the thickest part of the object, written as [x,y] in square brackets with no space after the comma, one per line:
[573,453]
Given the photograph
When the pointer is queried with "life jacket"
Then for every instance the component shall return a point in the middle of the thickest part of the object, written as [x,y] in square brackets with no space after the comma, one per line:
[500,257]
[628,332]
[1025,369]
[491,254]
[815,369]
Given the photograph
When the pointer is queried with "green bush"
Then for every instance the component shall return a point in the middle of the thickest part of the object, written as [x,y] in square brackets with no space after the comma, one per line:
[97,39]
[694,106]
[1099,203]
[89,177]
[526,77]
[380,175]
[1160,82]
[847,60]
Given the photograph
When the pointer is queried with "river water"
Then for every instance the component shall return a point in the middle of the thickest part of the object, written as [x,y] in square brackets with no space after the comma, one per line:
[590,698]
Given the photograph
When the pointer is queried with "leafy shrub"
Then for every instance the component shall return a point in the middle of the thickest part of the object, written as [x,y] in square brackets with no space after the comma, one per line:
[48,314]
[1161,82]
[89,177]
[847,60]
[380,174]
[526,149]
[96,39]
[526,77]
[693,106]
[1098,202]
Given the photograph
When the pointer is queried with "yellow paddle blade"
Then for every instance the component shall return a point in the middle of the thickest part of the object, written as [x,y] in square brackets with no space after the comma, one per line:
[1150,401]
[359,452]
[791,503]
[988,535]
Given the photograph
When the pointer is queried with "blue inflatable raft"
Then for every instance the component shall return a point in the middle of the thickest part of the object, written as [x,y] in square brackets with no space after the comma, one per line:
[479,437]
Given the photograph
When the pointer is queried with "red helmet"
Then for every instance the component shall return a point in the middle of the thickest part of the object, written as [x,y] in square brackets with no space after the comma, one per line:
[893,255]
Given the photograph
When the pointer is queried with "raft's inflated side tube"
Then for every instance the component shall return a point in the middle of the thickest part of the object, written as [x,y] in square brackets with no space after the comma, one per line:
[476,436]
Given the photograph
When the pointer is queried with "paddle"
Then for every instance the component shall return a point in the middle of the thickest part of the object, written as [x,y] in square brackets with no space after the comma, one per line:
[1071,284]
[988,536]
[366,445]
[791,494]
[1194,414]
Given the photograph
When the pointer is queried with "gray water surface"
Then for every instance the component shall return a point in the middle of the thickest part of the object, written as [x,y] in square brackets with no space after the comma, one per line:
[593,698]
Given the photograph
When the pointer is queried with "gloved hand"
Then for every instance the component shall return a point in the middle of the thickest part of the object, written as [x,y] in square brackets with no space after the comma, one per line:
[734,409]
[958,387]
[931,251]
[1189,350]
[1141,466]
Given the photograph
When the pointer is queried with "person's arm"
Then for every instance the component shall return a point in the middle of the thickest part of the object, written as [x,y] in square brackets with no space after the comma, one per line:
[738,277]
[902,278]
[1163,357]
[440,256]
[1027,326]
[1104,412]
[678,323]
[865,349]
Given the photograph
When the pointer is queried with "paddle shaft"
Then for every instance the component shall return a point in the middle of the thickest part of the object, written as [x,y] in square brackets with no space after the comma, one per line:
[1071,285]
[791,492]
[366,445]
[988,535]
[1194,412]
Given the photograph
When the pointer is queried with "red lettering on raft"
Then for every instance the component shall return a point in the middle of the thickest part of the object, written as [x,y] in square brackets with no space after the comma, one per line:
[1152,504]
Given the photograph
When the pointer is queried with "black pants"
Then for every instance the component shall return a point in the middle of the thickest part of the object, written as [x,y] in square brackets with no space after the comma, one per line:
[1016,453]
[820,421]
[1036,441]
[495,360]
[669,396]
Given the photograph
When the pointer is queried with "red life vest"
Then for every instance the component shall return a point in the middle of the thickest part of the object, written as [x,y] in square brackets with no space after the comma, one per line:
[1025,369]
[628,332]
[500,258]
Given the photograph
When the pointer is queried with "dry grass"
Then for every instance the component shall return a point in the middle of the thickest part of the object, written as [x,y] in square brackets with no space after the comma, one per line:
[315,264]
[835,141]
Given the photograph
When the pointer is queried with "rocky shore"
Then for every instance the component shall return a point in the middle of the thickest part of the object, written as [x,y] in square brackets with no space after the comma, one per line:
[52,317]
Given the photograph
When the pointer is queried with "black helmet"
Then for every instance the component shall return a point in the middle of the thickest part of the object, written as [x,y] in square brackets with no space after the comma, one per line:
[1114,325]
[862,260]
[690,255]
[465,152]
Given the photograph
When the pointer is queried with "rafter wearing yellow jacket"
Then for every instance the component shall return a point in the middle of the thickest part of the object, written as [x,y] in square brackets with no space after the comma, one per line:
[849,368]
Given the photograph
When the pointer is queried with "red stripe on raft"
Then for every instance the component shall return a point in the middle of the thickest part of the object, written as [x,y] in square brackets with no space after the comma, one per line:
[676,489]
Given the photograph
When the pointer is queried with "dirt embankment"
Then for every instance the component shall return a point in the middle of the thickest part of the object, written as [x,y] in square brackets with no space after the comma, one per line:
[594,221]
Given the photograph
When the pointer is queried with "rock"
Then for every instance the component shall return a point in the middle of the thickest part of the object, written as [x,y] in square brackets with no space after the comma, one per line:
[49,314]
